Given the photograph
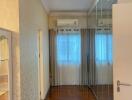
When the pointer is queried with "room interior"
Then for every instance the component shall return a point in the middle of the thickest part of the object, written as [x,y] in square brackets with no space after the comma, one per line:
[61,50]
[4,70]
[95,71]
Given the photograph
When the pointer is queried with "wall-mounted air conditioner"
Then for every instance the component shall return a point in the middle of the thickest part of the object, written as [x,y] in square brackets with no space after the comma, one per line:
[67,22]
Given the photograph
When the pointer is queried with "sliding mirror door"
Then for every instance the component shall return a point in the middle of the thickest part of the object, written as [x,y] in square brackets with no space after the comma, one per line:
[5,66]
[103,49]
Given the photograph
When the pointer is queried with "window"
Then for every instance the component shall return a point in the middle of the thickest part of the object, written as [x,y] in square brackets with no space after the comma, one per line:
[103,48]
[68,48]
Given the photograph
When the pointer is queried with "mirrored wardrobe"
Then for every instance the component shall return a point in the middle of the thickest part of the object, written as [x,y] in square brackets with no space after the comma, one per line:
[5,65]
[101,70]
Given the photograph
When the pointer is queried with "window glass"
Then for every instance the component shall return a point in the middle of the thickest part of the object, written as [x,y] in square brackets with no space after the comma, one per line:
[103,48]
[69,48]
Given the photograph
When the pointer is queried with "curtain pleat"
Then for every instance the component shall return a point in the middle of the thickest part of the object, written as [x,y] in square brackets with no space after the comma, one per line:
[88,56]
[64,65]
[84,48]
[53,68]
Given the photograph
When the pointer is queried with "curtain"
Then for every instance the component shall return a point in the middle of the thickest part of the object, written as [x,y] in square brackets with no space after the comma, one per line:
[88,56]
[81,58]
[103,58]
[103,63]
[96,68]
[52,54]
[65,54]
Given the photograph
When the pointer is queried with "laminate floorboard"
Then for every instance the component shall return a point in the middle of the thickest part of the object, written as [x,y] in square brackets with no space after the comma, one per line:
[70,93]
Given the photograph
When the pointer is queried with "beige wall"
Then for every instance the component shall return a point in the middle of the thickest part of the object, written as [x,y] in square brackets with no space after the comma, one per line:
[9,15]
[9,20]
[3,55]
[32,18]
[124,1]
[4,70]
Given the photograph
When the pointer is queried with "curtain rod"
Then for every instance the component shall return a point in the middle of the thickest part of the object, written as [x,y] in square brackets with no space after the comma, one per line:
[77,29]
[103,28]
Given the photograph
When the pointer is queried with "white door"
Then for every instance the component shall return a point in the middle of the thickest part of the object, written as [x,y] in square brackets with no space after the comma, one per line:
[122,34]
[5,62]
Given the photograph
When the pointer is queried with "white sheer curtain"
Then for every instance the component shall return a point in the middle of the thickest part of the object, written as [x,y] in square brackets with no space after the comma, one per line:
[103,57]
[68,53]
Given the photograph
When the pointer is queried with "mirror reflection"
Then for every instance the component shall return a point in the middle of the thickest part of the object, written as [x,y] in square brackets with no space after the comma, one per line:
[4,56]
[102,75]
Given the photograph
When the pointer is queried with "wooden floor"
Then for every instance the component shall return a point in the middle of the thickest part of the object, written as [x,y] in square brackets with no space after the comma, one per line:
[4,96]
[104,92]
[70,93]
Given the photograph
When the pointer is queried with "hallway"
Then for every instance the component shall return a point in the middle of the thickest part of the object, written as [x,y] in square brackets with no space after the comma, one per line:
[70,93]
[65,50]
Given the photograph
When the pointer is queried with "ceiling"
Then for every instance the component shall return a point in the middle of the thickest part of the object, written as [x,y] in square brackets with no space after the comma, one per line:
[68,5]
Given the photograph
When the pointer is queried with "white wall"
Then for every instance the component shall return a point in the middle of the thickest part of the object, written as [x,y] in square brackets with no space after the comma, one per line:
[33,17]
[81,18]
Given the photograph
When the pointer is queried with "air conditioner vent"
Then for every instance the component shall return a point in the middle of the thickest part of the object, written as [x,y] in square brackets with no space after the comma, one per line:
[67,23]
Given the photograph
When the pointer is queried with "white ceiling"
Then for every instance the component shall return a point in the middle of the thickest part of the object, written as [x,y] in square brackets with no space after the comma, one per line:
[68,5]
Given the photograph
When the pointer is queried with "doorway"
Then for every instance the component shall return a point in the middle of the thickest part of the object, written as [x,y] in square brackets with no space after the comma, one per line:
[5,65]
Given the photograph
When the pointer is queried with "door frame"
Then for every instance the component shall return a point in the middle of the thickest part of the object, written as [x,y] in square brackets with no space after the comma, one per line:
[40,65]
[8,34]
